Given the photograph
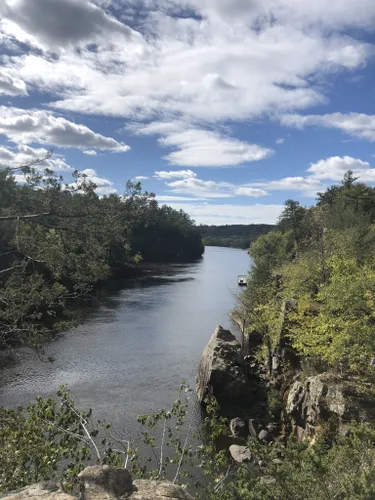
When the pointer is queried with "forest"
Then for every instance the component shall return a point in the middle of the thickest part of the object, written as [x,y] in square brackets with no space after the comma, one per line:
[60,241]
[234,235]
[320,260]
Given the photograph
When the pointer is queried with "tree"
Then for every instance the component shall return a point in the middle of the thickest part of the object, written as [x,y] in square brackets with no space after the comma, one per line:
[291,219]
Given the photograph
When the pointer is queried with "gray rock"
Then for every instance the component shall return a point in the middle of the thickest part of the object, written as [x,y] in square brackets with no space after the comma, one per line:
[238,428]
[240,453]
[102,479]
[155,490]
[222,373]
[37,492]
[253,428]
[105,483]
[264,436]
[267,480]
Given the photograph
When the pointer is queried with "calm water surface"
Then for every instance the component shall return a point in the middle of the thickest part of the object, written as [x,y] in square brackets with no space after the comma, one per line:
[139,344]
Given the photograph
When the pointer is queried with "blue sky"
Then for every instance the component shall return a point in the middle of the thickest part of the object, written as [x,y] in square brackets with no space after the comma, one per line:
[225,108]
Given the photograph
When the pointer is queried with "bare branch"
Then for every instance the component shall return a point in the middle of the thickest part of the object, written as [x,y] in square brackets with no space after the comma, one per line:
[17,217]
[31,163]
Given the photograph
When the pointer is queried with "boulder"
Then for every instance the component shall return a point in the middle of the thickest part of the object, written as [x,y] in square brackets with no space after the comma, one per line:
[222,374]
[238,428]
[102,482]
[264,436]
[155,490]
[240,453]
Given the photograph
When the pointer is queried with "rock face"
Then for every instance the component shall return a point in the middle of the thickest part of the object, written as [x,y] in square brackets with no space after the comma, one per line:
[321,397]
[222,373]
[104,483]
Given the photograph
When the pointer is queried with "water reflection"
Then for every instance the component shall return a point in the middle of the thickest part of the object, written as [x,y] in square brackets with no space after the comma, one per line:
[135,348]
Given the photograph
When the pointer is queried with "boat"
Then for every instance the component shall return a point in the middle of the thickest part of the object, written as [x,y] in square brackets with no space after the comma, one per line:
[242,280]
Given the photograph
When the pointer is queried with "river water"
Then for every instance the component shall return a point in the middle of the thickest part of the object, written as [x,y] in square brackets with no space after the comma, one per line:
[135,348]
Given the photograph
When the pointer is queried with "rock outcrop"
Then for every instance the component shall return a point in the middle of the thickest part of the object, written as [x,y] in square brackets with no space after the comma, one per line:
[104,483]
[320,398]
[222,373]
[40,491]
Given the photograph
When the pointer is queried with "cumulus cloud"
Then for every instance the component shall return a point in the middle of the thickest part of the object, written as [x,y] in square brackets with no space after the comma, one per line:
[335,167]
[203,148]
[280,141]
[237,63]
[90,152]
[57,24]
[10,85]
[189,184]
[36,126]
[103,186]
[249,191]
[175,174]
[24,155]
[355,124]
[198,187]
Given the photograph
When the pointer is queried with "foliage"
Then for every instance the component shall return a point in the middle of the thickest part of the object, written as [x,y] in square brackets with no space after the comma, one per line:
[50,438]
[322,258]
[345,471]
[59,241]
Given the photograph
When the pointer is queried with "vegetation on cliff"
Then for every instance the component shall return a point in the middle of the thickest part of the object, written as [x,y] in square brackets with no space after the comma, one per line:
[322,258]
[233,235]
[58,241]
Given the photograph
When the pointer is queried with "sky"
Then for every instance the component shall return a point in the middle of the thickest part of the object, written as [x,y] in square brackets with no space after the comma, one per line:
[223,108]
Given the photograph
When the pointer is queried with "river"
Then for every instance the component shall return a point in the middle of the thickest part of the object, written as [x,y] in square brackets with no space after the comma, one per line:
[134,349]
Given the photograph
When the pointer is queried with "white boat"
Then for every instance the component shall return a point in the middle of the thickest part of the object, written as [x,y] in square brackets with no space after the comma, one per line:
[242,280]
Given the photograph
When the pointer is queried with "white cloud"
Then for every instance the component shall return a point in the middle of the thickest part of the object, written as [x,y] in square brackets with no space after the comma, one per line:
[249,191]
[36,126]
[280,141]
[90,152]
[335,167]
[54,24]
[9,85]
[217,214]
[242,60]
[167,198]
[24,155]
[355,124]
[103,186]
[175,174]
[199,188]
[335,14]
[202,148]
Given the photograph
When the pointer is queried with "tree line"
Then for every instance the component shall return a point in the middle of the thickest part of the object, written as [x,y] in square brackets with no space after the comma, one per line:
[233,235]
[59,241]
